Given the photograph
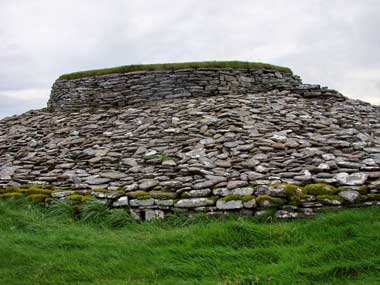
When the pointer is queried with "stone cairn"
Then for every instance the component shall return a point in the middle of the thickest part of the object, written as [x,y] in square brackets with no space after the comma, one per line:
[210,140]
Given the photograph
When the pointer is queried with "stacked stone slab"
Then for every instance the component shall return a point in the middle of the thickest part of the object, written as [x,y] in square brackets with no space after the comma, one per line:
[234,143]
[125,89]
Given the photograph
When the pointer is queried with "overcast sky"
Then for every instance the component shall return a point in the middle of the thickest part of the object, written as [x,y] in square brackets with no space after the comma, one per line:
[334,43]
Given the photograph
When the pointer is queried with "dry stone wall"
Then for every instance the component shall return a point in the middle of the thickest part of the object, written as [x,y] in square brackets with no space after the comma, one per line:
[125,89]
[292,147]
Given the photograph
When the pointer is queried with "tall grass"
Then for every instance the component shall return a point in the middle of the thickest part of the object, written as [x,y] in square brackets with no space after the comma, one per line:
[39,246]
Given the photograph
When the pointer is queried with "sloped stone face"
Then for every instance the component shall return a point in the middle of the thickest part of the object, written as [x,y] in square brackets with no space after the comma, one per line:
[122,89]
[221,145]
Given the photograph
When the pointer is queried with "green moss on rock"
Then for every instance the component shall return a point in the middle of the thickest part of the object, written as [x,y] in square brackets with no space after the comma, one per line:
[9,190]
[235,197]
[11,195]
[269,201]
[330,198]
[78,198]
[38,198]
[162,195]
[143,196]
[375,197]
[320,189]
[34,191]
[102,190]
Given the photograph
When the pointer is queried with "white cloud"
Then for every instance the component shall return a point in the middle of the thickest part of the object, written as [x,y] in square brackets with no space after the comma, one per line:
[18,101]
[332,43]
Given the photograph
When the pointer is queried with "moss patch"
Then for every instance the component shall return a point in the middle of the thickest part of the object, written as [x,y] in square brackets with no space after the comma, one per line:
[374,197]
[78,198]
[38,198]
[10,195]
[323,198]
[163,195]
[292,192]
[235,197]
[320,189]
[266,200]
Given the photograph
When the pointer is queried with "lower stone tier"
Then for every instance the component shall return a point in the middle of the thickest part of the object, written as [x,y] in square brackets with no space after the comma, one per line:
[286,201]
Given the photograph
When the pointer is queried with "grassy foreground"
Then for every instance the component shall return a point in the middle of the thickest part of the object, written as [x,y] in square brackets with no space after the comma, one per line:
[165,66]
[41,246]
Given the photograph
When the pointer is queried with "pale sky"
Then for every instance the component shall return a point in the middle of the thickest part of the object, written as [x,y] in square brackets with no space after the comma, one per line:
[334,43]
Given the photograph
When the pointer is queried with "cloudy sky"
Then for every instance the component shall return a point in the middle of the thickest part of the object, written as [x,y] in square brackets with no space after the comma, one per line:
[335,43]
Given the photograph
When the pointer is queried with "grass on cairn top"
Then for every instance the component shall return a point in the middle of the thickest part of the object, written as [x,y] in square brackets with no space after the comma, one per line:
[172,66]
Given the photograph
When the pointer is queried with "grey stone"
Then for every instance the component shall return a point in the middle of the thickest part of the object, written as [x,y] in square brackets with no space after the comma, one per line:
[236,184]
[129,161]
[229,205]
[114,175]
[194,202]
[245,191]
[141,202]
[61,194]
[350,196]
[154,214]
[97,180]
[351,179]
[121,202]
[250,204]
[146,184]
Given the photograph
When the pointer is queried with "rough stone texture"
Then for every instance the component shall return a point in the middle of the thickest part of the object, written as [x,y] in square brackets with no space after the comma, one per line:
[186,153]
[125,89]
[229,205]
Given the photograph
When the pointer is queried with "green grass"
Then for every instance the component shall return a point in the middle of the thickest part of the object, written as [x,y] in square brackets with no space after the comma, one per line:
[41,246]
[173,66]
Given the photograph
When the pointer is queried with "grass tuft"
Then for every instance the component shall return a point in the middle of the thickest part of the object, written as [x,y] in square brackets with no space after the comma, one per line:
[37,247]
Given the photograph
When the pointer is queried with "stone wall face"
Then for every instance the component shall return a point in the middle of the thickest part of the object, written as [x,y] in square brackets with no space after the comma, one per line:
[227,152]
[126,89]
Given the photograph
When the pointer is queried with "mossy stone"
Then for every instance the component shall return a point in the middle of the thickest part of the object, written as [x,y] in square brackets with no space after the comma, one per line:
[139,195]
[11,195]
[78,198]
[375,197]
[330,198]
[163,195]
[11,189]
[38,198]
[320,189]
[269,201]
[235,197]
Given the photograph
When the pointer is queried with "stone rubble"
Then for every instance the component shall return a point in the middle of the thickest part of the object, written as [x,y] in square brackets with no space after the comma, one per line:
[160,153]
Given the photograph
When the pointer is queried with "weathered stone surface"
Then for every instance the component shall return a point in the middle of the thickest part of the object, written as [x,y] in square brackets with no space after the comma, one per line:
[229,205]
[141,202]
[350,196]
[351,179]
[121,202]
[61,194]
[194,202]
[195,135]
[281,214]
[250,204]
[245,191]
[107,195]
[146,184]
[113,175]
[154,214]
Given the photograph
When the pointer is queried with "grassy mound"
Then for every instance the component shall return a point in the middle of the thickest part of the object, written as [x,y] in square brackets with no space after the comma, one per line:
[48,246]
[171,66]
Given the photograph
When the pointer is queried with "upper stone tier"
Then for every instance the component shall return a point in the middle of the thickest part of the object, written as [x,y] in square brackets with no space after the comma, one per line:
[94,89]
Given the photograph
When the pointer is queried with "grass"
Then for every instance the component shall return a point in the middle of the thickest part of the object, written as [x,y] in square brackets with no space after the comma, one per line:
[173,66]
[42,246]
